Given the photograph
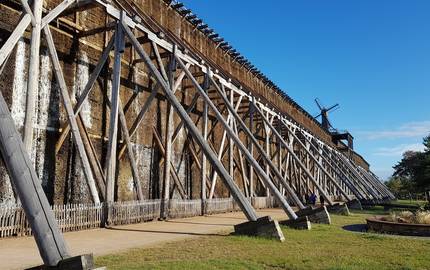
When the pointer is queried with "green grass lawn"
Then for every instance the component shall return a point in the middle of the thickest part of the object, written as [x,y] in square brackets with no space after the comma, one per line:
[411,202]
[324,247]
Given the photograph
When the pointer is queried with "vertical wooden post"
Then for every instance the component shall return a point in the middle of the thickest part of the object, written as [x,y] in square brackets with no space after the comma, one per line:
[251,146]
[168,138]
[231,143]
[267,133]
[278,146]
[111,155]
[33,75]
[203,170]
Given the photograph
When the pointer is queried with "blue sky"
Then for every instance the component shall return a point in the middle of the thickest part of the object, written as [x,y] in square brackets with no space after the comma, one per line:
[372,57]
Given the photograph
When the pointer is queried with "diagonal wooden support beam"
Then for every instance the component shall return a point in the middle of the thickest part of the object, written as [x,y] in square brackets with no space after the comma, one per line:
[159,60]
[14,37]
[384,187]
[284,204]
[139,117]
[381,188]
[28,10]
[221,153]
[354,181]
[176,179]
[50,242]
[85,93]
[92,157]
[56,12]
[191,147]
[244,204]
[369,180]
[132,160]
[130,153]
[359,177]
[70,115]
[334,166]
[181,123]
[295,157]
[250,158]
[242,166]
[314,159]
[145,108]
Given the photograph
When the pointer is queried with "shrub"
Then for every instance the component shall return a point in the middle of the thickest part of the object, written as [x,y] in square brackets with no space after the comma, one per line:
[420,217]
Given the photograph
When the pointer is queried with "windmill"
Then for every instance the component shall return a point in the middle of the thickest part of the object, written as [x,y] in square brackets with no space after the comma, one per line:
[324,114]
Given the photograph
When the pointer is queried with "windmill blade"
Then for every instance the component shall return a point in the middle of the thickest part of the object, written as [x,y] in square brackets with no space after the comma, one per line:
[318,115]
[317,101]
[335,109]
[332,107]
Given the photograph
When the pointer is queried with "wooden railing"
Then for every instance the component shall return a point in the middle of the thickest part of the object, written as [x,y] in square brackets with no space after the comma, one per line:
[220,205]
[75,217]
[133,212]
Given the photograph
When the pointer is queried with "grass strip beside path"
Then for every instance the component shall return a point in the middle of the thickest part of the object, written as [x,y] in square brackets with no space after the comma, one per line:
[324,247]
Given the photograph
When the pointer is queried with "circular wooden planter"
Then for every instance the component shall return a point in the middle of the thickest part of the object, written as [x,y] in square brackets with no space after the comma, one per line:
[377,225]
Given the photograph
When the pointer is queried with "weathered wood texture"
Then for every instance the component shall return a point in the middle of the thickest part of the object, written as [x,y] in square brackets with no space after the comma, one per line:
[79,52]
[76,217]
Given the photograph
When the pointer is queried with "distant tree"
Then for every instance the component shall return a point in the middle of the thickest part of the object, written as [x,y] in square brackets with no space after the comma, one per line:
[401,187]
[395,185]
[413,171]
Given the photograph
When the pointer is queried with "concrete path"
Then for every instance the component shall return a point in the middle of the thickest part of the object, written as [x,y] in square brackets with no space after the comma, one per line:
[19,253]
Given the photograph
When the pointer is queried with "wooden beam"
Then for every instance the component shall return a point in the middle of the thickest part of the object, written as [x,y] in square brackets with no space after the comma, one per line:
[70,115]
[33,76]
[178,183]
[111,154]
[85,93]
[244,204]
[14,37]
[139,117]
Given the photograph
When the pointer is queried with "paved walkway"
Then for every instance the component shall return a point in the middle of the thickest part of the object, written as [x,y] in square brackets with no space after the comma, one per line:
[18,253]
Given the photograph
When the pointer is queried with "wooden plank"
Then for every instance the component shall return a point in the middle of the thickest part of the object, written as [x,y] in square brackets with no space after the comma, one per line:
[168,138]
[178,183]
[14,37]
[70,115]
[203,166]
[133,164]
[92,157]
[111,154]
[242,201]
[93,77]
[33,76]
[56,12]
[140,116]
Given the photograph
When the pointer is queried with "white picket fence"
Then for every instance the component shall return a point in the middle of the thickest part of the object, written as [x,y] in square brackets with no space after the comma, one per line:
[220,205]
[75,217]
[13,222]
[70,217]
[185,208]
[134,212]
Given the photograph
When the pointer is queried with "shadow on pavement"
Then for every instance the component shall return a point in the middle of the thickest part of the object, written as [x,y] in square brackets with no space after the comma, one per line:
[200,223]
[163,232]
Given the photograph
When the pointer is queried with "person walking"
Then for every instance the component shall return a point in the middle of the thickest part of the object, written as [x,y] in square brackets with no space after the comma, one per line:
[313,199]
